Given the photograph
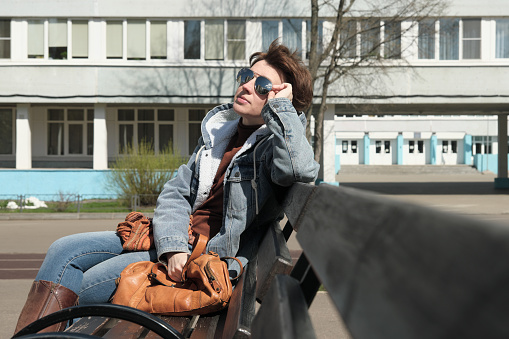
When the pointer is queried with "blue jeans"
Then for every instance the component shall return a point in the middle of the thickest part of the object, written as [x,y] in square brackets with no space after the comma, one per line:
[88,264]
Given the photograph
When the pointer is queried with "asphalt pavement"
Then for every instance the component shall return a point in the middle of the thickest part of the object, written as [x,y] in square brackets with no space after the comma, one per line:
[24,241]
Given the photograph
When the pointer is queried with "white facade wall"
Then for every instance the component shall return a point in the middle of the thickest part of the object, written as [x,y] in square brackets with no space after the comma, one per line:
[460,88]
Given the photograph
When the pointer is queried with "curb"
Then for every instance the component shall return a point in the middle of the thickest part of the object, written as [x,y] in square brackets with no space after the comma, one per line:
[64,216]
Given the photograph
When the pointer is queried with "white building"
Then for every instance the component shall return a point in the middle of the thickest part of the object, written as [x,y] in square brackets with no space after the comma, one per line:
[417,140]
[81,79]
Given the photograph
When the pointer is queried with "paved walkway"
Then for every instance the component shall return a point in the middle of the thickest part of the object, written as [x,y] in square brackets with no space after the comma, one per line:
[471,194]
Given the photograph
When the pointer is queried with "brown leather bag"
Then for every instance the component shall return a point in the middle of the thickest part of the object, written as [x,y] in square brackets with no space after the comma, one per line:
[136,232]
[206,285]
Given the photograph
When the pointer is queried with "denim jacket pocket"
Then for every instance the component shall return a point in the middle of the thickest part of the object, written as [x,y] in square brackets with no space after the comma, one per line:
[241,194]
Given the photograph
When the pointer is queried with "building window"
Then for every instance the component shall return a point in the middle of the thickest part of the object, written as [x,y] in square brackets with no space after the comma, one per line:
[454,146]
[79,39]
[195,118]
[136,40]
[6,130]
[349,146]
[236,39]
[214,40]
[66,131]
[370,38]
[5,39]
[146,128]
[392,40]
[56,131]
[387,146]
[348,39]
[125,129]
[290,31]
[114,40]
[420,146]
[383,148]
[416,146]
[270,32]
[292,34]
[502,38]
[482,145]
[426,39]
[449,39]
[223,40]
[36,39]
[471,38]
[154,127]
[165,118]
[158,39]
[56,46]
[354,146]
[452,149]
[445,146]
[90,131]
[192,38]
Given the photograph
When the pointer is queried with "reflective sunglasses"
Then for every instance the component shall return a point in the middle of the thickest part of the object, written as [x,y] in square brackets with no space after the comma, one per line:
[262,84]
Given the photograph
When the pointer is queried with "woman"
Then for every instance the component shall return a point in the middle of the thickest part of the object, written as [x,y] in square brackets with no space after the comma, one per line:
[248,152]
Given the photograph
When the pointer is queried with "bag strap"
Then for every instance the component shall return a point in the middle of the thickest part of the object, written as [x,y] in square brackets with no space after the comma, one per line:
[199,245]
[240,264]
[153,275]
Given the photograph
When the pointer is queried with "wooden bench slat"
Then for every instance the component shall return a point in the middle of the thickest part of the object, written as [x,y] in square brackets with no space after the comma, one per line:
[181,324]
[273,258]
[89,325]
[242,305]
[206,327]
[397,270]
[284,313]
[125,330]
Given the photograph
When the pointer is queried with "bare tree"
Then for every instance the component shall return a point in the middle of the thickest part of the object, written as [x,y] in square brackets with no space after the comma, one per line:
[354,47]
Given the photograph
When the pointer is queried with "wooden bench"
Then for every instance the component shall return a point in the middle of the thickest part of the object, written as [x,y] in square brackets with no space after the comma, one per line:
[109,321]
[393,270]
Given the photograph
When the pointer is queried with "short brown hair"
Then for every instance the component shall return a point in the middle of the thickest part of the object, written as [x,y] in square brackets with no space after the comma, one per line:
[292,69]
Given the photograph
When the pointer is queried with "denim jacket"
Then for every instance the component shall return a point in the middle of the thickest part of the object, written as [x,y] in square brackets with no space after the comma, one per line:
[273,158]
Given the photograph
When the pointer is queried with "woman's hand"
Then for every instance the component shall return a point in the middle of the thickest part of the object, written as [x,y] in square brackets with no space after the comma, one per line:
[281,91]
[176,262]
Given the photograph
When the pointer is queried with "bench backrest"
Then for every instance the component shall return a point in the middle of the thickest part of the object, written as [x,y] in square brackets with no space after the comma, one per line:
[397,270]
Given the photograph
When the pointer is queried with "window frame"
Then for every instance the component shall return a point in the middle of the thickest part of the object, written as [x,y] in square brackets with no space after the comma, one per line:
[459,50]
[88,118]
[7,39]
[501,50]
[224,53]
[302,50]
[135,123]
[46,39]
[13,131]
[194,141]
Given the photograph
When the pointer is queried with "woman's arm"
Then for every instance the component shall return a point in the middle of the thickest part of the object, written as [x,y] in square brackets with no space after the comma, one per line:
[171,216]
[293,158]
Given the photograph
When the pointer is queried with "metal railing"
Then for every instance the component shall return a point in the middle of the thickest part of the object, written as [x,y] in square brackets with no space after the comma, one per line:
[75,203]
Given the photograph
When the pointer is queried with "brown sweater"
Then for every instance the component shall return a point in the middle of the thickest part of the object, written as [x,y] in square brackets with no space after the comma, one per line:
[208,218]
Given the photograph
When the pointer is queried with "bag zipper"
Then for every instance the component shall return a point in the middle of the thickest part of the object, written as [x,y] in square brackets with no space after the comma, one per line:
[212,278]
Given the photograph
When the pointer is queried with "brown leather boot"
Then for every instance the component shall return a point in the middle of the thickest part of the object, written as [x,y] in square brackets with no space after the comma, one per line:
[45,297]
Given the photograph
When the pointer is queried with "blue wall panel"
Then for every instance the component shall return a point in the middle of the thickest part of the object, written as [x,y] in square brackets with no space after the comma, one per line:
[26,182]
